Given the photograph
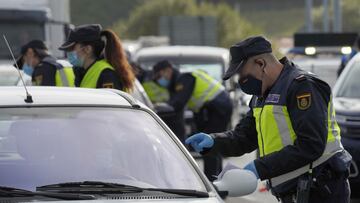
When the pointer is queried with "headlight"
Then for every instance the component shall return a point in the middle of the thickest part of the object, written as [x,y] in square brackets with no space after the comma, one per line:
[346,50]
[310,51]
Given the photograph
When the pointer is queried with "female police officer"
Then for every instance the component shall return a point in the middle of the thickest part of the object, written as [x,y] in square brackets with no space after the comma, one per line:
[98,63]
[43,68]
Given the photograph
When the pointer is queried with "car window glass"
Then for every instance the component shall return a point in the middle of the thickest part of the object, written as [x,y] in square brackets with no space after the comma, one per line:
[40,146]
[350,84]
[214,70]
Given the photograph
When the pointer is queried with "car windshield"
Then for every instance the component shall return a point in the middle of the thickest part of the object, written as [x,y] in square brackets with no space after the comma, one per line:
[350,85]
[40,146]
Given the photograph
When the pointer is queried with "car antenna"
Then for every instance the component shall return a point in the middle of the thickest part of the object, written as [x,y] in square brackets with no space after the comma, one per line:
[28,96]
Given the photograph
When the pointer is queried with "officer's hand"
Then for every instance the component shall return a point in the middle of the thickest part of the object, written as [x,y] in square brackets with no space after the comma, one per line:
[199,141]
[251,167]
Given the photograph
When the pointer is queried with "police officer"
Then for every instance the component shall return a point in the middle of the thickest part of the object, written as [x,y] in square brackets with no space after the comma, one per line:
[202,94]
[291,122]
[43,68]
[156,93]
[99,63]
[346,58]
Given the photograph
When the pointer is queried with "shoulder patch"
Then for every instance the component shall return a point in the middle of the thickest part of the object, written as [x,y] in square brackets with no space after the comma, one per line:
[38,80]
[303,101]
[108,85]
[179,87]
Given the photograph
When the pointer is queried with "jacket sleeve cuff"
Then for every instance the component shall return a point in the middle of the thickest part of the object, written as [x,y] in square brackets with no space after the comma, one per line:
[213,150]
[262,170]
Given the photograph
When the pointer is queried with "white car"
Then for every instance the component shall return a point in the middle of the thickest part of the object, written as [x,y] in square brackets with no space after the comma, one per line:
[89,144]
[9,76]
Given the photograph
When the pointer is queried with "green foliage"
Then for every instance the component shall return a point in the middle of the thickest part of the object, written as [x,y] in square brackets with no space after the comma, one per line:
[104,12]
[350,16]
[144,19]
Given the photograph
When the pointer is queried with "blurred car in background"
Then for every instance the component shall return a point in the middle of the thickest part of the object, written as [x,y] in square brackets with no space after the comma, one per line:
[347,105]
[9,76]
[90,144]
[213,60]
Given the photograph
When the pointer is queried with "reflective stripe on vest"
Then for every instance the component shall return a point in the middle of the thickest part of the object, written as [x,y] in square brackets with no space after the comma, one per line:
[206,88]
[65,77]
[155,92]
[275,131]
[92,75]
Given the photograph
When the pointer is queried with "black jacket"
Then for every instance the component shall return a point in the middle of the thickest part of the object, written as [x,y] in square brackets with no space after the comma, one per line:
[181,87]
[44,73]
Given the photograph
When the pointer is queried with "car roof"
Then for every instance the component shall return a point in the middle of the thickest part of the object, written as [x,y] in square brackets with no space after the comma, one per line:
[15,96]
[183,51]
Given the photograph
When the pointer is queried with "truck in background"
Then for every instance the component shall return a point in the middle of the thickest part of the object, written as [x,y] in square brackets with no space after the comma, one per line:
[24,20]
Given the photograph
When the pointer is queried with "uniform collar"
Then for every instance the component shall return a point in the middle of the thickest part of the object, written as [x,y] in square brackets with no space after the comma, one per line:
[51,60]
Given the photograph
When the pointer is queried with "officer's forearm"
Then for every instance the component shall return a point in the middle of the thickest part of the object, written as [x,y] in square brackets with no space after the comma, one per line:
[232,143]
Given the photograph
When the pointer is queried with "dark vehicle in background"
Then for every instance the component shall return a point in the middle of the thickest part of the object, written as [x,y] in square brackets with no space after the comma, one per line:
[347,105]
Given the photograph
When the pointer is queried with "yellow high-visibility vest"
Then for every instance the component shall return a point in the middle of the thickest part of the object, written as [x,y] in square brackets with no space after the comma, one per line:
[156,92]
[65,77]
[206,88]
[92,75]
[275,131]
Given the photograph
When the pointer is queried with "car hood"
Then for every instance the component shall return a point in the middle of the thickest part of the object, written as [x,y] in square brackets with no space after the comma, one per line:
[142,199]
[347,105]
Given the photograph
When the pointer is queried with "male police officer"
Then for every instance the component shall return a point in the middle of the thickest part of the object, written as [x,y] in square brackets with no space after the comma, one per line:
[292,123]
[202,94]
[36,62]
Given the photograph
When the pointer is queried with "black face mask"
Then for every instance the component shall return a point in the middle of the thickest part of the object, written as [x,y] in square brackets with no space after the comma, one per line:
[251,85]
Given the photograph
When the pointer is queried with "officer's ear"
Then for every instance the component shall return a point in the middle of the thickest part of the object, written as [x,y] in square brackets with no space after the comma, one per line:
[261,63]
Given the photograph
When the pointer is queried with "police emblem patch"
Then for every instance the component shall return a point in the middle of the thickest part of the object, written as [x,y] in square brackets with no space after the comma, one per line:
[303,101]
[108,85]
[179,87]
[38,80]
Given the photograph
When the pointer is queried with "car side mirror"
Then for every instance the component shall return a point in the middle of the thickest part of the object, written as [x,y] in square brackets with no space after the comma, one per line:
[236,183]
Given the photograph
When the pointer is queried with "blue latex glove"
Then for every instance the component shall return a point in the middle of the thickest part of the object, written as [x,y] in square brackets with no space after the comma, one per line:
[199,141]
[251,167]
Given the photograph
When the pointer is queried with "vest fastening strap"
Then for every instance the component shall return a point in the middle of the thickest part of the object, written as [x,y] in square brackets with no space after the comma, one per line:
[63,77]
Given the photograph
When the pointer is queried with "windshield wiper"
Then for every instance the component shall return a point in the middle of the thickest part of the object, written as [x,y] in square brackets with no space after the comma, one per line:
[89,186]
[192,193]
[103,187]
[16,192]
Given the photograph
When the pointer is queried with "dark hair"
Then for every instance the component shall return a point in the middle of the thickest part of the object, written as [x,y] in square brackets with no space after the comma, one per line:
[41,53]
[161,65]
[114,54]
